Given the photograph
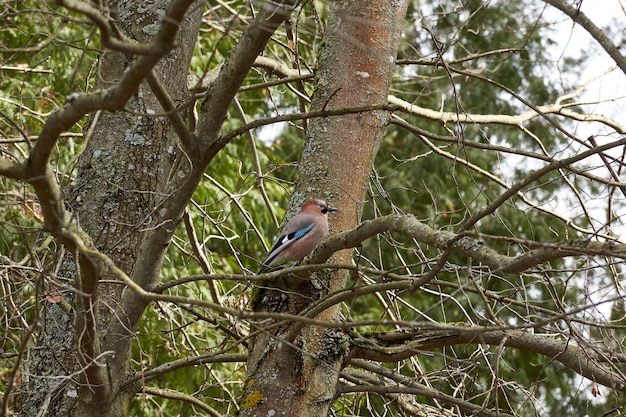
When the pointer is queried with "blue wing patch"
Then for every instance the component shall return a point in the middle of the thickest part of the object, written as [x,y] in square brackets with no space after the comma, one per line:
[298,234]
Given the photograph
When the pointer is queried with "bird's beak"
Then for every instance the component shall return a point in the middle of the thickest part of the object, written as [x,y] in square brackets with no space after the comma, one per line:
[331,209]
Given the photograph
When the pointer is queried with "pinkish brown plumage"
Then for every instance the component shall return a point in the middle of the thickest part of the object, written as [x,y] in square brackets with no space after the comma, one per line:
[301,234]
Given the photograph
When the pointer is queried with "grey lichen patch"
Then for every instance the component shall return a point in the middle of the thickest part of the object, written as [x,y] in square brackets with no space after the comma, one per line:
[383,117]
[172,57]
[134,138]
[336,344]
[469,244]
[151,29]
[149,12]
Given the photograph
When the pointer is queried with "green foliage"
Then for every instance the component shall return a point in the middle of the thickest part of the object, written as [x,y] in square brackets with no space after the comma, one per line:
[442,182]
[39,70]
[43,60]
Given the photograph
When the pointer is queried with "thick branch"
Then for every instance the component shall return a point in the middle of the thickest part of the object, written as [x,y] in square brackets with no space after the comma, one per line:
[476,249]
[562,109]
[288,74]
[110,37]
[584,362]
[112,99]
[233,72]
[184,135]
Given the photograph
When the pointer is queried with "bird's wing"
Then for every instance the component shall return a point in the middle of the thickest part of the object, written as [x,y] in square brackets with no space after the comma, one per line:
[293,231]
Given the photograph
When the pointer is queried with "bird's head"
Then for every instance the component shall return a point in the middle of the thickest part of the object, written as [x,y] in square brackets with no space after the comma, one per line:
[320,205]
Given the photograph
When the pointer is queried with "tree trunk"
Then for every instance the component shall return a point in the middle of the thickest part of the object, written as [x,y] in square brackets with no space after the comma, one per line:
[121,174]
[293,369]
[131,166]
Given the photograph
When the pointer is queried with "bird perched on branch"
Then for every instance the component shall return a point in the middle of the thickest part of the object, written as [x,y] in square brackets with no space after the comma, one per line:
[301,234]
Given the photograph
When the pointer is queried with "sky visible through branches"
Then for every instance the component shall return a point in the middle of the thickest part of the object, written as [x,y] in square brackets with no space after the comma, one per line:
[488,222]
[605,90]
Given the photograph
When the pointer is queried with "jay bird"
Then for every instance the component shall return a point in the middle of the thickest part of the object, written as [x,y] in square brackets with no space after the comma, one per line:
[300,235]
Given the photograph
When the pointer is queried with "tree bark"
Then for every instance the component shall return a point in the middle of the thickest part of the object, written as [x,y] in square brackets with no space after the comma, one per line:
[293,369]
[132,160]
[121,174]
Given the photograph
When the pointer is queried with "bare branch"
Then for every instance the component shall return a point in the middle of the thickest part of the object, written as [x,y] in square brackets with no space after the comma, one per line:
[473,248]
[186,138]
[41,45]
[179,396]
[192,361]
[562,109]
[598,34]
[233,72]
[591,366]
[416,388]
[111,37]
[558,164]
